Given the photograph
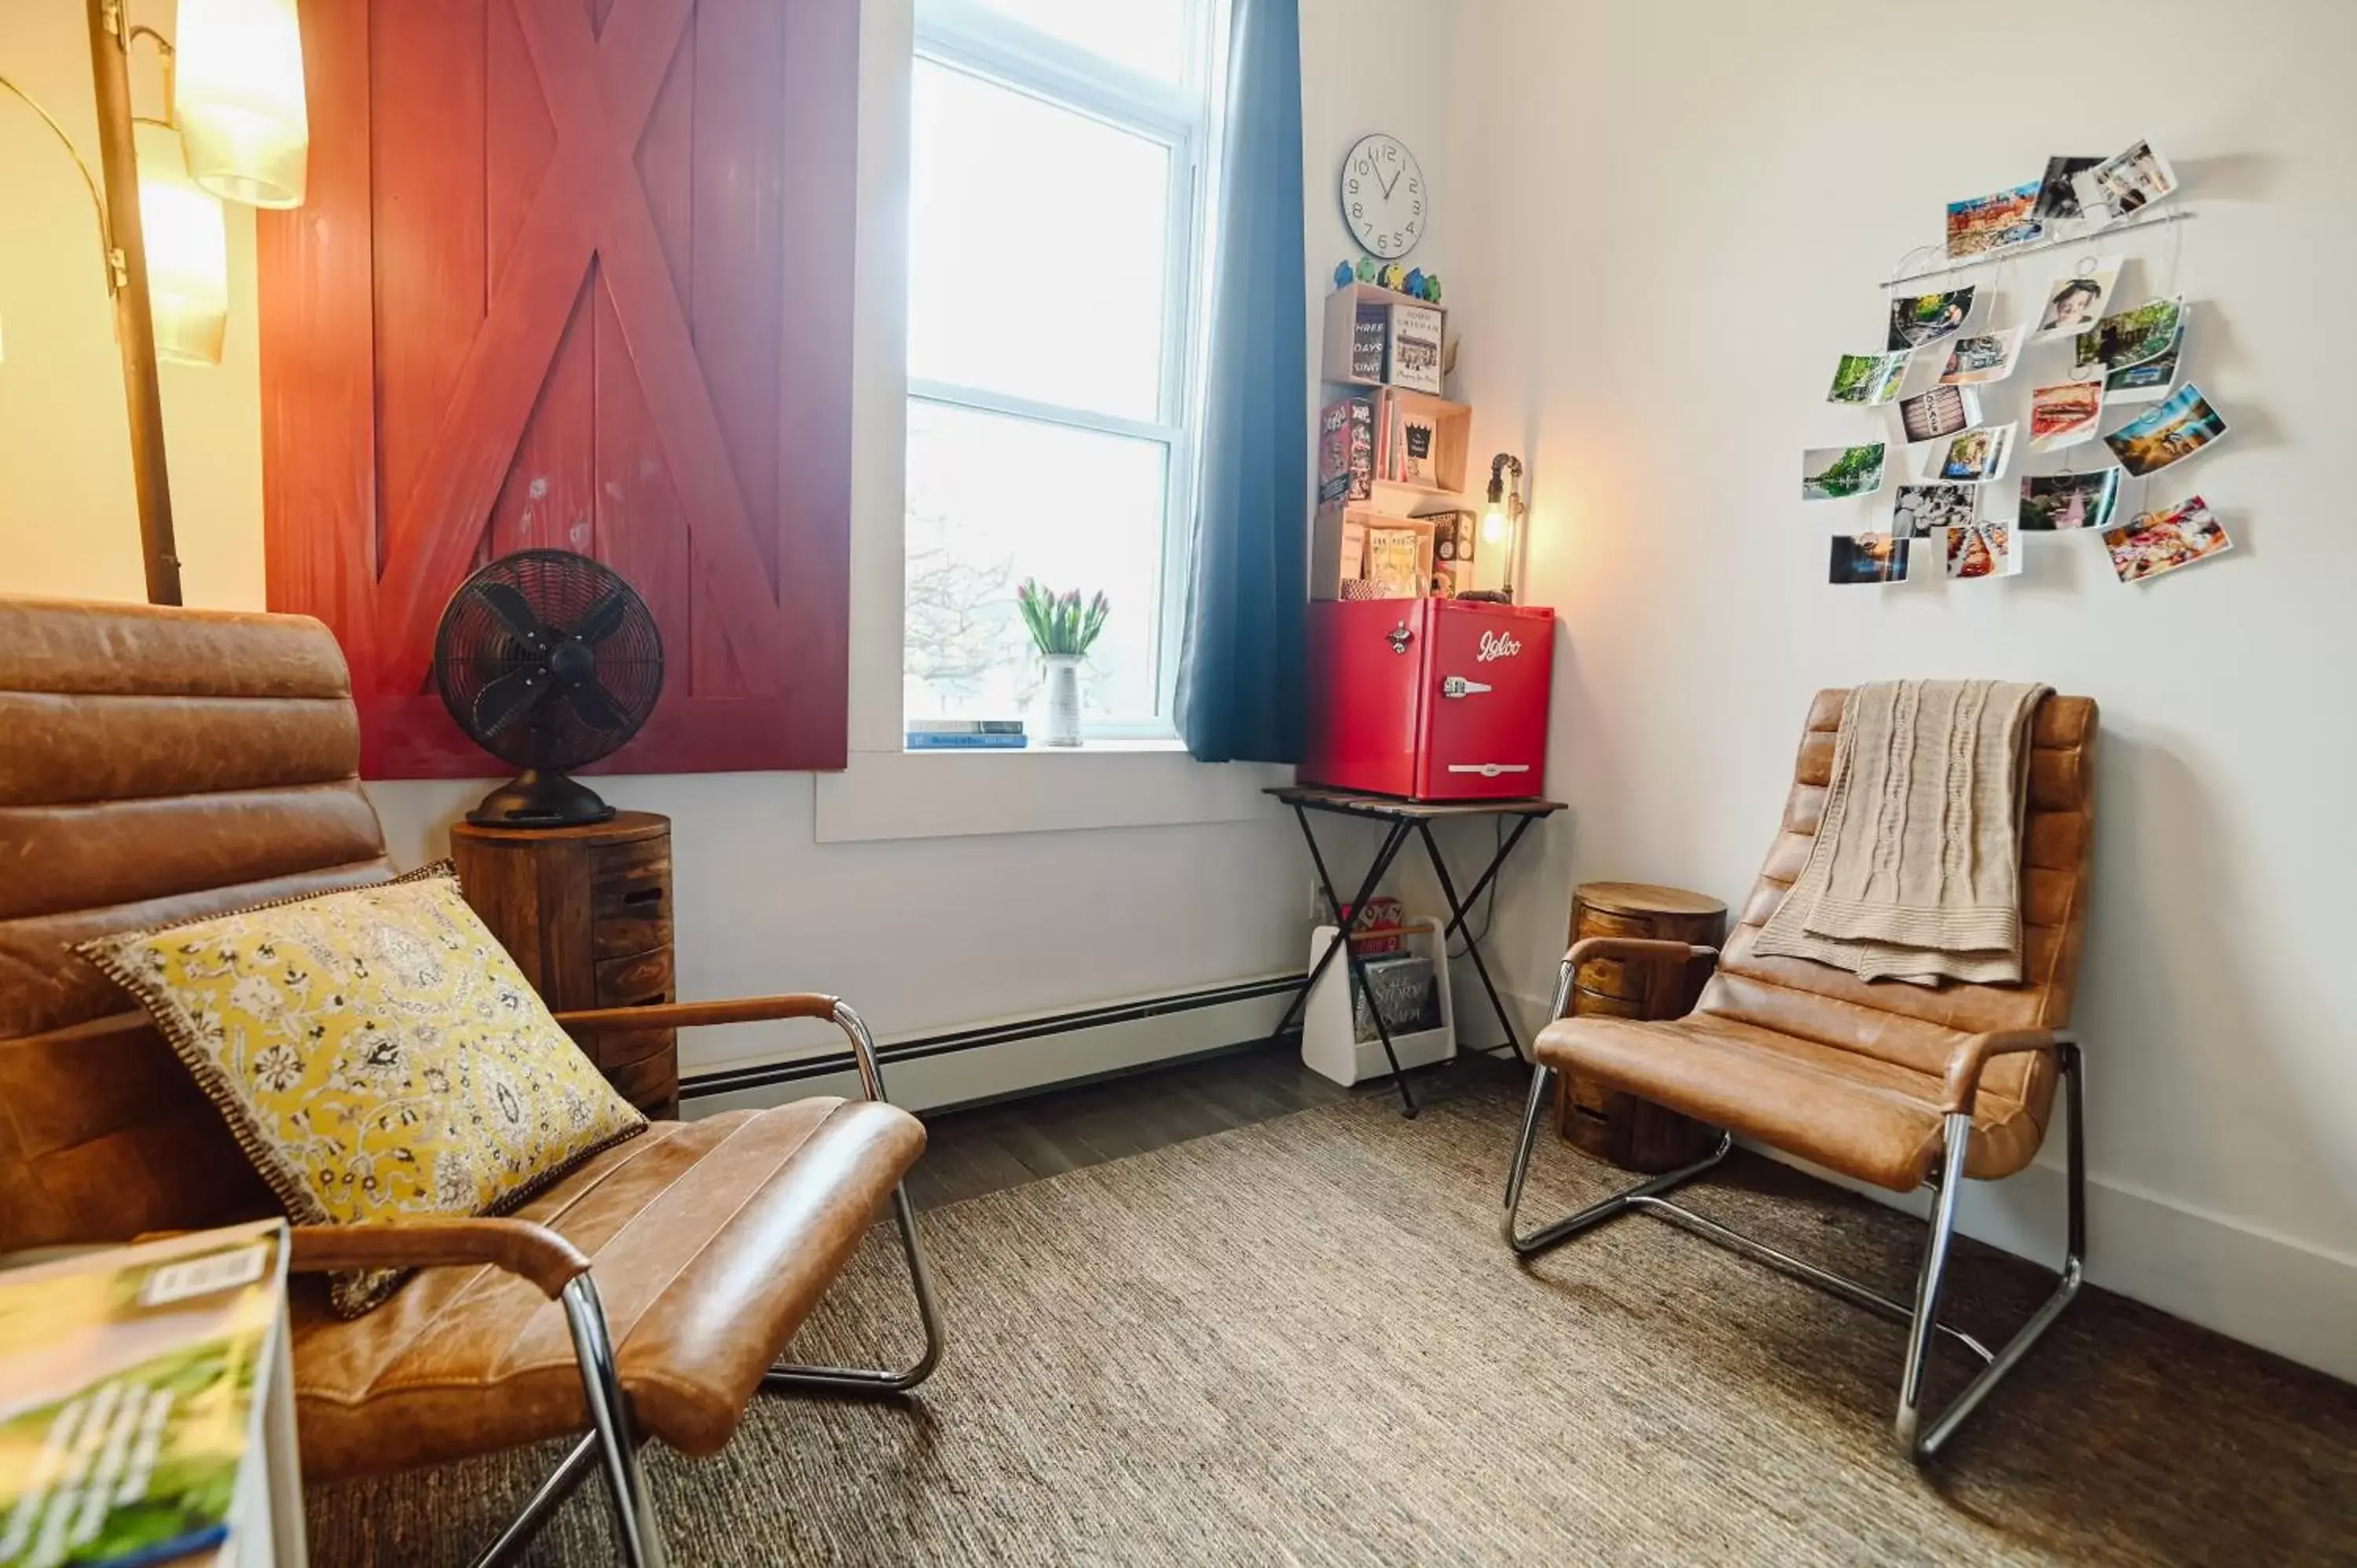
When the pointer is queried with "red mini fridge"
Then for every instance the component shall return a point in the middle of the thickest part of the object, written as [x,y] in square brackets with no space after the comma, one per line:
[1429,698]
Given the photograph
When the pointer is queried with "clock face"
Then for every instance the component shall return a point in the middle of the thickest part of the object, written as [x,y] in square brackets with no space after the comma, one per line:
[1384,197]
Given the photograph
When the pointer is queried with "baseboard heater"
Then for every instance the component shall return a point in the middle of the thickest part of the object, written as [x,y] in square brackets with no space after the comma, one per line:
[732,1080]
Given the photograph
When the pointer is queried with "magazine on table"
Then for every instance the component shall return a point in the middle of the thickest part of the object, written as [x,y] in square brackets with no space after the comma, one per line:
[130,1402]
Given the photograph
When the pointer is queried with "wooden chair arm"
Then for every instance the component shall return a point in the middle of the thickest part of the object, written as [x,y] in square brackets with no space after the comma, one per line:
[1647,949]
[695,1015]
[517,1245]
[1971,1055]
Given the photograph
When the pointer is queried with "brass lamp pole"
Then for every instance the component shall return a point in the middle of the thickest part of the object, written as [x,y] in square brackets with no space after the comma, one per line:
[135,325]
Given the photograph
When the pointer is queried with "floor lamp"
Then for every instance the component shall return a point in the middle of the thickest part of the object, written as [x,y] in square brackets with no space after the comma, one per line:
[235,128]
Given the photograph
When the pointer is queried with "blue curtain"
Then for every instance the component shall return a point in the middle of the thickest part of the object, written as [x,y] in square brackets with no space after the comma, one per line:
[1239,671]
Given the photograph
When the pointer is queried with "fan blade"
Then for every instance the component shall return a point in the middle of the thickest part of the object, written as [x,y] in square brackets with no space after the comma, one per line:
[509,698]
[513,611]
[597,706]
[605,618]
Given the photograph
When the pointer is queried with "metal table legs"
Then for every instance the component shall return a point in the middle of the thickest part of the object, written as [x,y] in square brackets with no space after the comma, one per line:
[1395,838]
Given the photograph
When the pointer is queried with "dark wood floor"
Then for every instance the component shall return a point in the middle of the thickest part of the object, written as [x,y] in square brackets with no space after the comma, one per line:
[1001,1144]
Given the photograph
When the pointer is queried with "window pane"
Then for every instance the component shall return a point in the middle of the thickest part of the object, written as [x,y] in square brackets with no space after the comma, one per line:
[1035,253]
[994,500]
[1146,36]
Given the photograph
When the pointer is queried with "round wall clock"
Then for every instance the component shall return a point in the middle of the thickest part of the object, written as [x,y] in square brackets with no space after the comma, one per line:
[1384,197]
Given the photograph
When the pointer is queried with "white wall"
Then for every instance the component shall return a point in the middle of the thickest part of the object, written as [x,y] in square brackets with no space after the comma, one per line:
[1691,205]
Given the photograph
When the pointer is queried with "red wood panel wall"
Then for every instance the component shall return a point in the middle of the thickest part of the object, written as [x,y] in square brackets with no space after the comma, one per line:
[573,273]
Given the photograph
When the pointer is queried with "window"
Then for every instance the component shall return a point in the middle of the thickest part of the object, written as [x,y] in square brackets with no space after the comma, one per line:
[1057,204]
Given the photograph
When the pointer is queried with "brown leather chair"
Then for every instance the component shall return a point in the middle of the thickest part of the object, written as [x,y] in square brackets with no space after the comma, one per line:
[1888,1082]
[166,765]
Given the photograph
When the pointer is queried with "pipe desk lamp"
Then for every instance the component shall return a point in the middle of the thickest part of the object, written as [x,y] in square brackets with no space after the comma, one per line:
[234,128]
[1502,522]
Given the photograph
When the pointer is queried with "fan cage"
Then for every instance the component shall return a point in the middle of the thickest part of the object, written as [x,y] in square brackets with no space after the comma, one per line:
[475,647]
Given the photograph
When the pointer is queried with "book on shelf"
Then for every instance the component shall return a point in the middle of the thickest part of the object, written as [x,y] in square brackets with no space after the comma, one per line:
[1346,450]
[1412,448]
[1371,334]
[1415,349]
[145,1415]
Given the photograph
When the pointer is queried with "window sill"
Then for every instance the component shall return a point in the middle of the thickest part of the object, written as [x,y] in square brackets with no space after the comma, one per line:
[1126,783]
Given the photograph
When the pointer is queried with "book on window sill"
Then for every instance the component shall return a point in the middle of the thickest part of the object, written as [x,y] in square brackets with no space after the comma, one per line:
[969,740]
[964,726]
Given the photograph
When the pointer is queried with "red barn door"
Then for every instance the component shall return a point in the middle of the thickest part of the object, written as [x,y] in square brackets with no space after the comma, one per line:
[573,273]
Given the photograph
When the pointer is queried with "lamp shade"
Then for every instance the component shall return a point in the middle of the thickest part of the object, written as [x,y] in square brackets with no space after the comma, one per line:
[238,99]
[187,250]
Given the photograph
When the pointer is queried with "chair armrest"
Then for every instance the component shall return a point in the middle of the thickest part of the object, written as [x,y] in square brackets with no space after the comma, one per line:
[743,1010]
[1971,1055]
[1643,948]
[517,1245]
[697,1014]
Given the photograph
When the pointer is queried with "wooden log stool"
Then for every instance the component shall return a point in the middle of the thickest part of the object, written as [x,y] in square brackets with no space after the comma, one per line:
[1636,1134]
[586,914]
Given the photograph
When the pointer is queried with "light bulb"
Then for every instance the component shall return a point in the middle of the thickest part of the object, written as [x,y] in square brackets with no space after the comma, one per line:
[239,101]
[187,250]
[1495,524]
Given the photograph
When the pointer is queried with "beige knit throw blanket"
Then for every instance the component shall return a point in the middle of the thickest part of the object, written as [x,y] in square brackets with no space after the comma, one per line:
[1916,871]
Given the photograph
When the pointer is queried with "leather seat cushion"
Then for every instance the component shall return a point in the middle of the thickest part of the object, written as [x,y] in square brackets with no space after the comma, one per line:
[1857,1114]
[710,1241]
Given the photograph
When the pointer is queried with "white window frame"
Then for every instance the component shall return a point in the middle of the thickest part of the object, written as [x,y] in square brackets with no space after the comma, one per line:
[997,49]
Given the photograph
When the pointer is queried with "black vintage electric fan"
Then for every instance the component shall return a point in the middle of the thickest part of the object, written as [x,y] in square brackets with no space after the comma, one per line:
[548,661]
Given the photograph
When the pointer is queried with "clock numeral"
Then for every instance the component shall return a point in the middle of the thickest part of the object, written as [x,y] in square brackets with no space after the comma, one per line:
[1357,211]
[1415,185]
[1415,207]
[1364,167]
[1355,188]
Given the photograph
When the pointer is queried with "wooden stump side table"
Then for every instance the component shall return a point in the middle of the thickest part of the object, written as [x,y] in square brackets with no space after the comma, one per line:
[586,914]
[1634,1133]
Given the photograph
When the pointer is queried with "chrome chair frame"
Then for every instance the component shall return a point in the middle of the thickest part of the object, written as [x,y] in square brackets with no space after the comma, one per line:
[611,1441]
[1921,1320]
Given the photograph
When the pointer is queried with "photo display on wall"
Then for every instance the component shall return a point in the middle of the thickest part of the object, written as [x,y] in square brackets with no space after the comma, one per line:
[1988,457]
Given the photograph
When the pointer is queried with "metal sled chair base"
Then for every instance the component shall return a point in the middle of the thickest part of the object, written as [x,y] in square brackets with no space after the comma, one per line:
[1917,1442]
[611,1438]
[612,1442]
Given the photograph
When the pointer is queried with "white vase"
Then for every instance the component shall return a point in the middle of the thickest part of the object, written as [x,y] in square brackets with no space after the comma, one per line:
[1063,699]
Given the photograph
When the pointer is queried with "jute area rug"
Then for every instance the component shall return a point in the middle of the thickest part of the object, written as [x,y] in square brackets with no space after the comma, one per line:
[1301,1342]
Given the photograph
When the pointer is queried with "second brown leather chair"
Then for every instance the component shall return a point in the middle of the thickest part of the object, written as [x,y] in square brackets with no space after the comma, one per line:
[1889,1082]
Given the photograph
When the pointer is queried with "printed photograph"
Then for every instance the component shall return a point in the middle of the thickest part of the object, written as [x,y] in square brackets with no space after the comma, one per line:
[1867,558]
[1868,380]
[1921,318]
[1975,457]
[2057,193]
[1984,550]
[2124,183]
[2131,337]
[1832,473]
[1982,357]
[2160,542]
[2075,304]
[2054,501]
[2066,413]
[2168,433]
[1942,411]
[1922,510]
[1979,224]
[2151,381]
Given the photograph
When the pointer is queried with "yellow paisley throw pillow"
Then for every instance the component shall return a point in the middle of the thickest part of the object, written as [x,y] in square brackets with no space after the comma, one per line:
[377,1054]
